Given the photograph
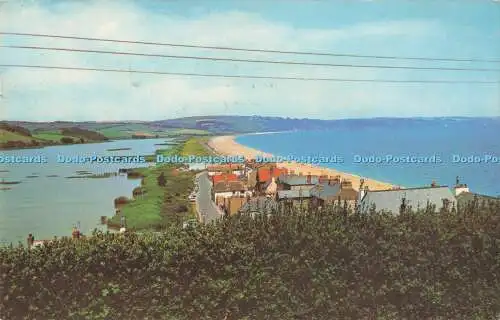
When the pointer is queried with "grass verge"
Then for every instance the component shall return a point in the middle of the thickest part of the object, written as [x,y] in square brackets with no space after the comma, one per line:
[155,207]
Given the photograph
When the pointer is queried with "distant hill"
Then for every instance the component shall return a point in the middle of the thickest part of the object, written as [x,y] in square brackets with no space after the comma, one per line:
[231,124]
[248,124]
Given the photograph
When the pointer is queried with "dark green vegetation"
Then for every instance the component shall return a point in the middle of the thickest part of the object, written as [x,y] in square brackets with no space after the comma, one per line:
[83,175]
[318,265]
[156,207]
[118,149]
[9,182]
[83,134]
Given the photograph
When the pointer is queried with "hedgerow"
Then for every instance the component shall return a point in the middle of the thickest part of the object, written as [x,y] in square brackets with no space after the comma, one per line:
[327,264]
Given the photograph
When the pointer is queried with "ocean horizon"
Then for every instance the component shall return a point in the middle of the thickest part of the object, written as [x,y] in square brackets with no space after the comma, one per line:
[405,152]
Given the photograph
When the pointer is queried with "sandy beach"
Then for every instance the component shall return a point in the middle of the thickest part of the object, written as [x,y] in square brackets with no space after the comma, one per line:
[226,145]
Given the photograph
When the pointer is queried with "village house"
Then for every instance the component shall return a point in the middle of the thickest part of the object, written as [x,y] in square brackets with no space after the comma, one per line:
[232,204]
[234,168]
[297,182]
[263,180]
[298,198]
[460,188]
[334,192]
[464,196]
[259,205]
[411,198]
[226,177]
[228,189]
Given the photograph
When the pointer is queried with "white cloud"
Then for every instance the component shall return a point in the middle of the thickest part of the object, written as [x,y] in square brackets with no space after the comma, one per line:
[71,95]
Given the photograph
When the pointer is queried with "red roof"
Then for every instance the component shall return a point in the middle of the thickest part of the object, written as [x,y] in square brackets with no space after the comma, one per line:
[265,174]
[224,177]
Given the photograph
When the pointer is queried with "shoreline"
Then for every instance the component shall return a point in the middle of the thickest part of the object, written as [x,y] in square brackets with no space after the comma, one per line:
[227,145]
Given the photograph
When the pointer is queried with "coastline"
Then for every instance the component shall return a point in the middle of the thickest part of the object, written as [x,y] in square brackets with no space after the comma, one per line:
[227,145]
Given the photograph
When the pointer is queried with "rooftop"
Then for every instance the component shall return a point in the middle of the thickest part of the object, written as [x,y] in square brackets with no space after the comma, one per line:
[405,189]
[325,191]
[229,186]
[390,200]
[470,196]
[224,177]
[296,180]
[265,174]
[292,194]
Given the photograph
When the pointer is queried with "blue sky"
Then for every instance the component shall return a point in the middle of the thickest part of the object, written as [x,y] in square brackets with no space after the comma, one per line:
[450,29]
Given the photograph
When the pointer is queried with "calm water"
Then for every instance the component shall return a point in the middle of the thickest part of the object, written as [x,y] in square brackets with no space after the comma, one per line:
[381,137]
[48,206]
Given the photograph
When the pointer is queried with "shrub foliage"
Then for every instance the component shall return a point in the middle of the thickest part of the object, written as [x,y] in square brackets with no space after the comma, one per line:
[291,265]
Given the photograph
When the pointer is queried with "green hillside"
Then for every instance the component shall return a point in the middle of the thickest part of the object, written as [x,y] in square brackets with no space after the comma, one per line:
[10,139]
[13,136]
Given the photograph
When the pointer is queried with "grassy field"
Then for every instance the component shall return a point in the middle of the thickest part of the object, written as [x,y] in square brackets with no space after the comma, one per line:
[53,135]
[12,136]
[194,132]
[195,146]
[161,207]
[124,131]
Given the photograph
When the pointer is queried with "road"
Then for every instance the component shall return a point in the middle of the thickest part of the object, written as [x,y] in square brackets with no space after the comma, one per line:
[204,204]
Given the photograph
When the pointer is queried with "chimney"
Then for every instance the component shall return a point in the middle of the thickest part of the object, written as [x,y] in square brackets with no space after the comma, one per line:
[361,184]
[361,194]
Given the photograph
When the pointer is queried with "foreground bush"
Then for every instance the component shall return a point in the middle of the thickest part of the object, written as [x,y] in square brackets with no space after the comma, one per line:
[321,265]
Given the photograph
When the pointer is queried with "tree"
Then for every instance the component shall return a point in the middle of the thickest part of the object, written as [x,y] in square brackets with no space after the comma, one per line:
[162,180]
[66,140]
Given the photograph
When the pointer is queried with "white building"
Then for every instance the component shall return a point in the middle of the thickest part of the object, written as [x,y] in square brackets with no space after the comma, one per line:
[229,189]
[414,198]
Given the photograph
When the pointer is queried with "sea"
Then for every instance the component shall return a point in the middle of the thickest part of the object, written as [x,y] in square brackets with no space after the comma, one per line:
[406,152]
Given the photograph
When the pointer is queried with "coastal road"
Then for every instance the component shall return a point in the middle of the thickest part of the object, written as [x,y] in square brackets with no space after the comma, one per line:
[204,204]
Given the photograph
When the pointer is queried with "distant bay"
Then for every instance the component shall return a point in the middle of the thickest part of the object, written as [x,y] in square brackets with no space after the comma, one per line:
[377,148]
